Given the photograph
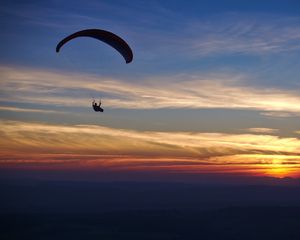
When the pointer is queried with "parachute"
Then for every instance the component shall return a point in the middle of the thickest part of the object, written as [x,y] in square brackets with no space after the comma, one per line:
[109,38]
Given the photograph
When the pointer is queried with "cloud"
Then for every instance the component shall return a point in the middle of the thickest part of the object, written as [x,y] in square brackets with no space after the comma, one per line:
[37,144]
[180,91]
[16,109]
[254,35]
[262,130]
[280,114]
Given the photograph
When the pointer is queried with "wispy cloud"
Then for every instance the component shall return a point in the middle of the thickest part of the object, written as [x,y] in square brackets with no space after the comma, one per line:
[90,145]
[262,130]
[235,33]
[281,114]
[180,91]
[16,109]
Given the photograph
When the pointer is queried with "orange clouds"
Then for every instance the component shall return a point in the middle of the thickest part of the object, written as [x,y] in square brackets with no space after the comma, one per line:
[90,146]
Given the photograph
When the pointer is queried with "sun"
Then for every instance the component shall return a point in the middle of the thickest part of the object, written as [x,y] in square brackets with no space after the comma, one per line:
[278,169]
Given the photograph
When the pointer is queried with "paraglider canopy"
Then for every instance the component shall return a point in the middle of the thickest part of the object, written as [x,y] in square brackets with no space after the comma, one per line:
[108,37]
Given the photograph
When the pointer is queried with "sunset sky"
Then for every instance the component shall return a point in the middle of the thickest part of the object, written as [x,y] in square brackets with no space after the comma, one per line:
[213,88]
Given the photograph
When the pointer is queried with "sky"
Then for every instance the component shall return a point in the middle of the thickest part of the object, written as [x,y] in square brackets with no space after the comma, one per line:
[213,89]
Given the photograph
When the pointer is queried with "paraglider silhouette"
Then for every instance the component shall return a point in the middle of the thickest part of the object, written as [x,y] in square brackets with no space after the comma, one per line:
[96,107]
[108,37]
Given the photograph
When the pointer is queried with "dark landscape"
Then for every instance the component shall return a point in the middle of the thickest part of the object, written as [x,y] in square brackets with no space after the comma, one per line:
[130,210]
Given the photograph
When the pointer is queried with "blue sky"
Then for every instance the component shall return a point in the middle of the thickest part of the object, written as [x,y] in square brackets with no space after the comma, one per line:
[167,37]
[200,67]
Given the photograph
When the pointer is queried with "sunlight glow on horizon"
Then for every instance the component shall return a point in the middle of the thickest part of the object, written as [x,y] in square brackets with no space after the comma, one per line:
[42,146]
